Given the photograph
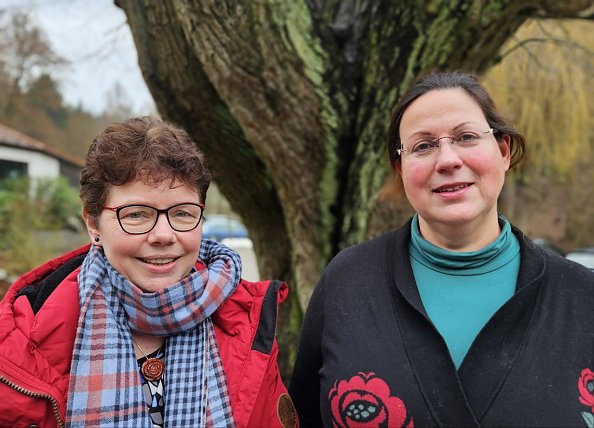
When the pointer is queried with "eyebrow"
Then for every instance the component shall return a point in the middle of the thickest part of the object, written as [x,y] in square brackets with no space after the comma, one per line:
[431,134]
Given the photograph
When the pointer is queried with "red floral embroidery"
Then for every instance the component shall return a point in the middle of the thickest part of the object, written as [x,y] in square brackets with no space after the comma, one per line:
[364,400]
[586,388]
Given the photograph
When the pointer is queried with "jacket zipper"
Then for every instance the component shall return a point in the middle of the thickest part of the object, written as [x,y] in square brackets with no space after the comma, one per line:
[36,395]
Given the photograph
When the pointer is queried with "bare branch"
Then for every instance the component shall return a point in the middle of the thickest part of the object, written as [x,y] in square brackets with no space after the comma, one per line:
[561,42]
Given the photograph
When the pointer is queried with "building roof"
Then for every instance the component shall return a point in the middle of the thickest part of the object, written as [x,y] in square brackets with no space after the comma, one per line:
[13,138]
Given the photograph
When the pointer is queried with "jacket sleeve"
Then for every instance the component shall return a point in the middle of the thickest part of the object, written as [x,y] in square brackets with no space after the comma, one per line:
[274,407]
[305,381]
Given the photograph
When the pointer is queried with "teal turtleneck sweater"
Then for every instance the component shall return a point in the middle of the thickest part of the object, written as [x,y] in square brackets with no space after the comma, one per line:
[461,291]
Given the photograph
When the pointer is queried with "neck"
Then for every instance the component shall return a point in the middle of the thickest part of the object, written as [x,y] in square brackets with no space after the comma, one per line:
[470,236]
[148,344]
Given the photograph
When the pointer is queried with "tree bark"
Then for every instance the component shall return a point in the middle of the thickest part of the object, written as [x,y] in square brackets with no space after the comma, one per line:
[290,99]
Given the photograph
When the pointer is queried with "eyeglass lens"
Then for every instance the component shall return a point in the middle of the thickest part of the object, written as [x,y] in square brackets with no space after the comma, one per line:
[141,218]
[464,140]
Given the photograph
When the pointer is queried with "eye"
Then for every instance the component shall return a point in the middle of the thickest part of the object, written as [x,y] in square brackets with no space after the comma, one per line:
[181,214]
[467,137]
[135,213]
[185,212]
[424,146]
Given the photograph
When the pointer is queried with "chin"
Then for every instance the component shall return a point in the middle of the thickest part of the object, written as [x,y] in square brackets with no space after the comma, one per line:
[456,217]
[472,215]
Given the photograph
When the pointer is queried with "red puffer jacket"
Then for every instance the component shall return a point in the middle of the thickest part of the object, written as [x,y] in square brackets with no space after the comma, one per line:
[38,318]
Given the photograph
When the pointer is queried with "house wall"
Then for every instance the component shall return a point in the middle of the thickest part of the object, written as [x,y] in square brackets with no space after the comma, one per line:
[39,164]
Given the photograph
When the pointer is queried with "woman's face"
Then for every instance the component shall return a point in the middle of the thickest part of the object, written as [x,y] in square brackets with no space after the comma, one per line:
[452,187]
[159,258]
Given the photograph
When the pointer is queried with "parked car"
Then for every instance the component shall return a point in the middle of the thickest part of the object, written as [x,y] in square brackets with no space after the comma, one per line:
[584,256]
[549,247]
[219,227]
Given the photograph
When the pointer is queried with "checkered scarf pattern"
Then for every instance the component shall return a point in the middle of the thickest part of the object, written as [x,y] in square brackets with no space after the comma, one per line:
[105,387]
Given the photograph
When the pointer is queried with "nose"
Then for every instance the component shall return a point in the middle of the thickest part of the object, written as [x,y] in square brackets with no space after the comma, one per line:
[162,233]
[447,156]
[445,139]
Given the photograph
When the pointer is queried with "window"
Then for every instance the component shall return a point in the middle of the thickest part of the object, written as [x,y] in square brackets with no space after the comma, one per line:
[12,169]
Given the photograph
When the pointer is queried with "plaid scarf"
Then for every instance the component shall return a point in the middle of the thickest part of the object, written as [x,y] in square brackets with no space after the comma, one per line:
[105,386]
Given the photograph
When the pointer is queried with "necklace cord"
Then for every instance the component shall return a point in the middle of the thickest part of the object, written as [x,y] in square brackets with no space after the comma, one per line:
[152,368]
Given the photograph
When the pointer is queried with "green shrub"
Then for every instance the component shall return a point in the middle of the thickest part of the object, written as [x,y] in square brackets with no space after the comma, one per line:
[28,209]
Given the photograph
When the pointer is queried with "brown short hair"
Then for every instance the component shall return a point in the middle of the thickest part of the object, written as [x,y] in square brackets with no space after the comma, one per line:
[140,148]
[453,80]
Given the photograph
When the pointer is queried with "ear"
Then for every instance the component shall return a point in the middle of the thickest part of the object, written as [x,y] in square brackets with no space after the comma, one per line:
[92,227]
[505,149]
[398,167]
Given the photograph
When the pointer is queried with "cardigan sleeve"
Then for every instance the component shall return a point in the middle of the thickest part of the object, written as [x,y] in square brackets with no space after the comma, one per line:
[305,382]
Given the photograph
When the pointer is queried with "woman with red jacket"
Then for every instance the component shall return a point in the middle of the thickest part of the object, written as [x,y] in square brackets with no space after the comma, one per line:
[150,325]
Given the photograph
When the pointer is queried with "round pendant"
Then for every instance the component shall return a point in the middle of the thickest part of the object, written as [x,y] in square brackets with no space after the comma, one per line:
[152,369]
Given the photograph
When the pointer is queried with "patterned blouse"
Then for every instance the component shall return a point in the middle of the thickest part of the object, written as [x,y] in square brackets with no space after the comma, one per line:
[153,390]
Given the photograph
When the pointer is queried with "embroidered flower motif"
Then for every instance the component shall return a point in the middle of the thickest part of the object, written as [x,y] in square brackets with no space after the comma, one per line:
[365,400]
[586,389]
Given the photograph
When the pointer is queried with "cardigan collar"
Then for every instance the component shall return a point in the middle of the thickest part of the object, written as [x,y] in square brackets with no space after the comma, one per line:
[496,347]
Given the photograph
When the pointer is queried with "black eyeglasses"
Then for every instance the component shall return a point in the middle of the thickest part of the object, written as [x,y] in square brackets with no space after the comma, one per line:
[139,219]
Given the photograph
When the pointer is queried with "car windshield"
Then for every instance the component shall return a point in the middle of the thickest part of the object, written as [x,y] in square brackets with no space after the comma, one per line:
[220,227]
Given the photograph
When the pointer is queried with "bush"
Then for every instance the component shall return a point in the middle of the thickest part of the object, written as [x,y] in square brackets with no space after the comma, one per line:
[27,208]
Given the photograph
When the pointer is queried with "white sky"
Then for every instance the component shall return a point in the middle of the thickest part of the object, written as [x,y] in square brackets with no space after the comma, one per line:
[92,35]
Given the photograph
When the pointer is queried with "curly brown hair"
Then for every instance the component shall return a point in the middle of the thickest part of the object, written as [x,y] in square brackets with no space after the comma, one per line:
[140,148]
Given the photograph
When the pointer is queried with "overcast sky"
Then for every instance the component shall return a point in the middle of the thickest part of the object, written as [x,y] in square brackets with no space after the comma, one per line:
[92,35]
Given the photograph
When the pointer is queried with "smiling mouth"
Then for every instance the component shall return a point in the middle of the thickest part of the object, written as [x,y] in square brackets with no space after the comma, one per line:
[451,189]
[158,262]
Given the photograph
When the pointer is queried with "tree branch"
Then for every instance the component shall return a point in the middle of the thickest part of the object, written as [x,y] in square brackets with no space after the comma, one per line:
[560,42]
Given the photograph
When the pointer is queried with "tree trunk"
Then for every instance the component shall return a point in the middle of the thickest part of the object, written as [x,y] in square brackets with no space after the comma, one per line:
[290,99]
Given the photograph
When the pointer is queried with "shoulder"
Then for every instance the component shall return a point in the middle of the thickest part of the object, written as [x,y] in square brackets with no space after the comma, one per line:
[563,271]
[250,313]
[44,301]
[560,273]
[364,252]
[369,257]
[38,321]
[45,278]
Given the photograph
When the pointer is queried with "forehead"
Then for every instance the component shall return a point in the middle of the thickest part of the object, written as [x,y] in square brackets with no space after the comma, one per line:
[143,192]
[441,110]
